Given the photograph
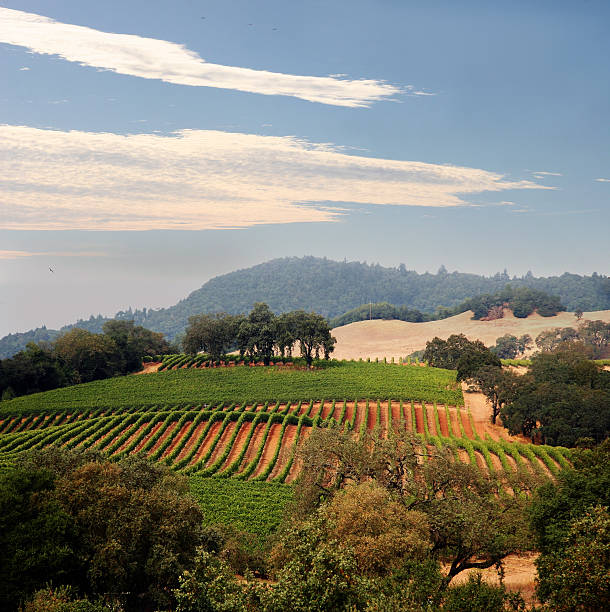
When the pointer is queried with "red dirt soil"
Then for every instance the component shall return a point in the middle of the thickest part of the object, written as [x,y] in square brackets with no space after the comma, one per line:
[176,439]
[384,419]
[290,434]
[222,443]
[252,449]
[297,464]
[189,445]
[131,438]
[150,434]
[466,424]
[206,443]
[372,416]
[419,418]
[315,409]
[431,419]
[349,412]
[238,444]
[271,443]
[169,429]
[326,410]
[442,419]
[116,436]
[396,415]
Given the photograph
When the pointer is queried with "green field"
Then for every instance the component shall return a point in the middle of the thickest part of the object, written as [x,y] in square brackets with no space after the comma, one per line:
[253,507]
[239,384]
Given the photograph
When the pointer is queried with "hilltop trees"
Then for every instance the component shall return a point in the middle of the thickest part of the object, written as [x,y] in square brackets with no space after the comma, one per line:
[214,334]
[260,334]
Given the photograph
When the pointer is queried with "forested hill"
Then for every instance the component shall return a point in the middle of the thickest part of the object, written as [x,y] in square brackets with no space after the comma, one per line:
[332,288]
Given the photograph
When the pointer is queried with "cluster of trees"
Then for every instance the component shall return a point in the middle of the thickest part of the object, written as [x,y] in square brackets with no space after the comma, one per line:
[332,288]
[594,335]
[123,531]
[79,356]
[571,524]
[509,346]
[260,334]
[564,397]
[523,301]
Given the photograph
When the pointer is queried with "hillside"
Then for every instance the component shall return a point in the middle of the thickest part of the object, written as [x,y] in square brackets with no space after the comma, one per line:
[399,338]
[332,288]
[248,422]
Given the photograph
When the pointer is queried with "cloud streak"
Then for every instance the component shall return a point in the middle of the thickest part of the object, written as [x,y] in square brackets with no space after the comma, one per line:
[206,179]
[151,58]
[22,254]
[602,180]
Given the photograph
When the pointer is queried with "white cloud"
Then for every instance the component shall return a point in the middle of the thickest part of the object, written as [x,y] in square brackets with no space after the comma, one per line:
[204,179]
[602,180]
[542,174]
[151,58]
[24,68]
[21,254]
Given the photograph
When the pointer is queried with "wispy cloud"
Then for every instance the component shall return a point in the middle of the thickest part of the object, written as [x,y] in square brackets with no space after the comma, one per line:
[22,254]
[541,173]
[151,58]
[204,179]
[24,68]
[602,180]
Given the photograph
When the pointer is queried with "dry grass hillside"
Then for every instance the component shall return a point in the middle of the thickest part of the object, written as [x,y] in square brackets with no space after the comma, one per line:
[399,338]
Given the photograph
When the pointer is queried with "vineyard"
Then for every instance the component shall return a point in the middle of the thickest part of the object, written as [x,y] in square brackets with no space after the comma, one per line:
[259,441]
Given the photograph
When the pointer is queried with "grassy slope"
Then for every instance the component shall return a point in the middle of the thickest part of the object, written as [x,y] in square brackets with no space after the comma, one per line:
[254,507]
[340,381]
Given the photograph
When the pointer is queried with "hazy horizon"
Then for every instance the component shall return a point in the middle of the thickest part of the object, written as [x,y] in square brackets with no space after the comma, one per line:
[147,147]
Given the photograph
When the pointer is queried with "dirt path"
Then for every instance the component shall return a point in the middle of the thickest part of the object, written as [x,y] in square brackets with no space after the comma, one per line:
[480,410]
[148,368]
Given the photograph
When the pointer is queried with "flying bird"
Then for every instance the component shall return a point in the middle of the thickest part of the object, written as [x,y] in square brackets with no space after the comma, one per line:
[51,270]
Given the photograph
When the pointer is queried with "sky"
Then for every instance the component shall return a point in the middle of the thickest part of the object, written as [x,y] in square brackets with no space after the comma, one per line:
[148,146]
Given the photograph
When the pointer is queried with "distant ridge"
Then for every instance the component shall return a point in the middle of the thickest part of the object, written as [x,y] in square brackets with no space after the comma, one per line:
[332,288]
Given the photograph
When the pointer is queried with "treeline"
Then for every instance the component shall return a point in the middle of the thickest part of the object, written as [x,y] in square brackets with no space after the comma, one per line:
[564,397]
[521,300]
[79,356]
[332,288]
[260,334]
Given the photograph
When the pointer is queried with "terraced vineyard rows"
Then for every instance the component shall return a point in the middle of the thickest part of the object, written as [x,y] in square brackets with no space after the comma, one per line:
[258,441]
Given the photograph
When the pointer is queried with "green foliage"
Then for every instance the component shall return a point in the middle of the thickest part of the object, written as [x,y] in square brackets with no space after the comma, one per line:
[576,577]
[64,599]
[478,596]
[563,398]
[37,536]
[210,386]
[251,506]
[556,505]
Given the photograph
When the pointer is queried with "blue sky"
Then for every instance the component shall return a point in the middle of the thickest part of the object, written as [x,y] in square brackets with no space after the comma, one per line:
[146,147]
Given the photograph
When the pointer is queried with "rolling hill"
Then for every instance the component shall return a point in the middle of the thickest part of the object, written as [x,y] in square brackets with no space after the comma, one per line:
[332,288]
[400,338]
